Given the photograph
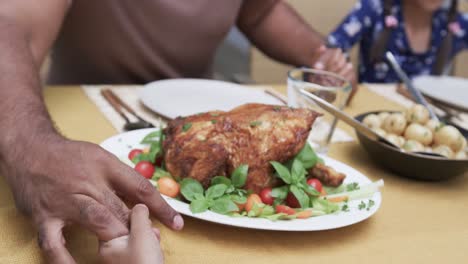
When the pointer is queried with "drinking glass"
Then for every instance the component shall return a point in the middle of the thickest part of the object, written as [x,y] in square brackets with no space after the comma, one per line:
[326,85]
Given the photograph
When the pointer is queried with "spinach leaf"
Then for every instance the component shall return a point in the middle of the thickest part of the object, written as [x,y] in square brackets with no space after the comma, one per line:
[152,137]
[199,206]
[282,172]
[280,192]
[221,180]
[307,156]
[224,205]
[215,191]
[300,195]
[298,171]
[239,176]
[190,188]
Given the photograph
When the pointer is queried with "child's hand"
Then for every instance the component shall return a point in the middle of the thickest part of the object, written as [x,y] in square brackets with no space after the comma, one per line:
[140,247]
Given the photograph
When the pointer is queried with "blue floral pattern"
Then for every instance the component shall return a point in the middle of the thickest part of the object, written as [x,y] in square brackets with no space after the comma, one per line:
[366,21]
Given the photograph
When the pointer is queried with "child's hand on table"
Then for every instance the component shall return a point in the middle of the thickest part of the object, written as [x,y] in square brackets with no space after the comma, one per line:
[141,246]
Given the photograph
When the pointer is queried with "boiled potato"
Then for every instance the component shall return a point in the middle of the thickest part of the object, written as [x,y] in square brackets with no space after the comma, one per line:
[383,115]
[450,136]
[372,121]
[461,155]
[433,125]
[419,133]
[395,124]
[395,139]
[444,150]
[417,114]
[380,132]
[413,146]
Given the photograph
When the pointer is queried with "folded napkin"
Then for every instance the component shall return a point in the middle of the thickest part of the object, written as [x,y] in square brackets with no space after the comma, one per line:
[129,94]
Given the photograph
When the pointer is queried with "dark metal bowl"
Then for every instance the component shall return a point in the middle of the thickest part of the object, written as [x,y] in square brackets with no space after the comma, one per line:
[411,165]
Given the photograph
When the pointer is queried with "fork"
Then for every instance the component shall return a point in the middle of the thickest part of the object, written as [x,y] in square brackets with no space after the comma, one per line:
[118,105]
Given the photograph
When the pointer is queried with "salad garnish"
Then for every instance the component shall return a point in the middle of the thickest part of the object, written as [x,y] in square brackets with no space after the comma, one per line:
[299,197]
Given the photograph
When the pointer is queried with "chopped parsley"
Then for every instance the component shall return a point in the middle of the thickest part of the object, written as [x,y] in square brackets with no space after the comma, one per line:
[214,121]
[186,127]
[214,114]
[255,123]
[276,108]
[367,206]
[362,205]
[345,208]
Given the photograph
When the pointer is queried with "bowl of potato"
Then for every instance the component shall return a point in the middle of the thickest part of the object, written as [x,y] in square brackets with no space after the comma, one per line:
[414,133]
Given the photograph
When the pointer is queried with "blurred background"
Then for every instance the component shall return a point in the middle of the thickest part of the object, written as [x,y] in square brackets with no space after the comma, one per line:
[238,61]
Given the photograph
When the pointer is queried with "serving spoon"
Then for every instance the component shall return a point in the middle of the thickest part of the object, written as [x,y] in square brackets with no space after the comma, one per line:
[418,97]
[355,124]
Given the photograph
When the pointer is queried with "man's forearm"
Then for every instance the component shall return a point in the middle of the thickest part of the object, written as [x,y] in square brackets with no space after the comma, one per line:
[23,115]
[284,36]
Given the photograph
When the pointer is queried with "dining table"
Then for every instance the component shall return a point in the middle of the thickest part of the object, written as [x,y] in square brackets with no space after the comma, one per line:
[418,221]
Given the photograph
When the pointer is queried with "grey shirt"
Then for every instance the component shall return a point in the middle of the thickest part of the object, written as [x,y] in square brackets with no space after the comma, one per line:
[137,41]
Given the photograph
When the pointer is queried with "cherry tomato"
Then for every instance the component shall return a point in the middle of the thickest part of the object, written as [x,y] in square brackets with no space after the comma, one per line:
[266,197]
[158,161]
[316,184]
[134,152]
[145,168]
[251,200]
[292,201]
[284,209]
[168,186]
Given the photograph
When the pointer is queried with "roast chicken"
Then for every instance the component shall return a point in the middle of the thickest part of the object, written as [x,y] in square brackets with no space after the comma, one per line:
[215,143]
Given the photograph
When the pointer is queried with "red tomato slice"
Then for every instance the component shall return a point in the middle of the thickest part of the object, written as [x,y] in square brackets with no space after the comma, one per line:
[316,184]
[284,209]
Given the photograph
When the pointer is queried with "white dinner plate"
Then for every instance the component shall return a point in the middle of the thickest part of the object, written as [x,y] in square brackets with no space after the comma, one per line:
[182,97]
[449,90]
[121,144]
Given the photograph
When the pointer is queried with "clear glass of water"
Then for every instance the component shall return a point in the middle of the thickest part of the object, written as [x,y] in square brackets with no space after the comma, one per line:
[326,85]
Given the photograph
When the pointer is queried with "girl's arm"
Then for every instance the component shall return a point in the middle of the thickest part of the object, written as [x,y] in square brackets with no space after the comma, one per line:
[358,23]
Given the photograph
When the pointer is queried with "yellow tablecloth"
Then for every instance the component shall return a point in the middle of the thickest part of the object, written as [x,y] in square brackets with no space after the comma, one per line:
[419,222]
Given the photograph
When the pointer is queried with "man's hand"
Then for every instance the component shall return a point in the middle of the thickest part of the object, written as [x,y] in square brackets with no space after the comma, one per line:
[58,182]
[140,247]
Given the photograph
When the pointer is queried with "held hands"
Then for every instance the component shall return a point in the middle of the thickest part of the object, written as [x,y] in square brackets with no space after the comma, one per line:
[58,181]
[140,247]
[334,60]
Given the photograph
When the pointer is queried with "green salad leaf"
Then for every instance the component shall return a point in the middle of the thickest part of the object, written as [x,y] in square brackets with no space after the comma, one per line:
[308,157]
[282,172]
[199,206]
[190,188]
[224,205]
[215,191]
[152,137]
[239,176]
[300,195]
[221,180]
[280,192]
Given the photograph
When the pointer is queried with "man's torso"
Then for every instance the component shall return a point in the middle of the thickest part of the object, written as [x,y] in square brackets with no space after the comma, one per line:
[126,41]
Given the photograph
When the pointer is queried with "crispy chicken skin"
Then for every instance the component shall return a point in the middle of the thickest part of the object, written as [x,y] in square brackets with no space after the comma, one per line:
[327,175]
[215,143]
